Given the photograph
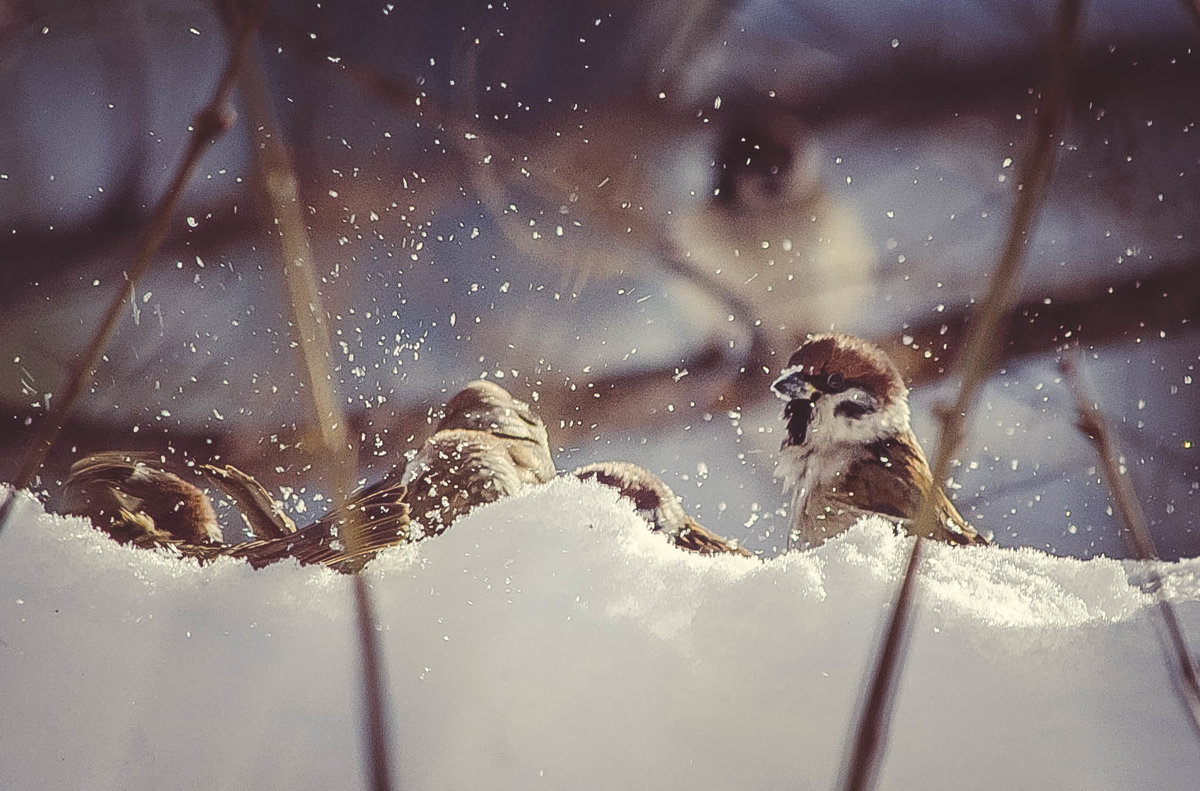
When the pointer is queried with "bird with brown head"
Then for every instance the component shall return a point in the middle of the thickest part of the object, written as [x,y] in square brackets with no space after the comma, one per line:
[848,450]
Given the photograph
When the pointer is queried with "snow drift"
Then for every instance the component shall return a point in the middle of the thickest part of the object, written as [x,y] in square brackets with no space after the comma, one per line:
[551,641]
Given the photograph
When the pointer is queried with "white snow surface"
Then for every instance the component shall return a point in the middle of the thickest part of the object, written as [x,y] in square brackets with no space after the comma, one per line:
[551,641]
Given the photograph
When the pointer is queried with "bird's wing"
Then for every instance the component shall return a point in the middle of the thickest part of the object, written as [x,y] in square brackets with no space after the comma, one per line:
[888,479]
[382,518]
[380,515]
[459,469]
[891,480]
[695,537]
[658,505]
[138,503]
[532,460]
[264,515]
[134,500]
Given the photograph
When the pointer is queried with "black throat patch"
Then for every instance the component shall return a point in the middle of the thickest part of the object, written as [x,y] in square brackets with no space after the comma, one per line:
[798,414]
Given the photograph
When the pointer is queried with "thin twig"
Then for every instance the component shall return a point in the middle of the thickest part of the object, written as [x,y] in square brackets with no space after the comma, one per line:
[376,714]
[984,339]
[276,176]
[1137,536]
[986,335]
[278,186]
[866,751]
[212,121]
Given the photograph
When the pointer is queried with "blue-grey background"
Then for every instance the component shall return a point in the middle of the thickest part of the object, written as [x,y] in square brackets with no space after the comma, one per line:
[526,190]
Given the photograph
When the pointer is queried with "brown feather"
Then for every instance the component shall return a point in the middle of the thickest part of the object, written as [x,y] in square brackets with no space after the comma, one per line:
[260,510]
[488,446]
[382,511]
[658,505]
[890,479]
[861,364]
[137,502]
[459,469]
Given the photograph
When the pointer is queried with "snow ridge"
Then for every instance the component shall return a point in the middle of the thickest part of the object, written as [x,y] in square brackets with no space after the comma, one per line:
[550,640]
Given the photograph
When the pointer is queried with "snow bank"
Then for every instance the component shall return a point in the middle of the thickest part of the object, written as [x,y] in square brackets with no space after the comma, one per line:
[551,641]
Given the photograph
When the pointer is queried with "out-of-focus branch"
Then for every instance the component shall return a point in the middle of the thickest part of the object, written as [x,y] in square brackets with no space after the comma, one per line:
[627,400]
[978,358]
[1137,536]
[985,335]
[212,121]
[277,178]
[1193,9]
[43,254]
[906,94]
[1168,297]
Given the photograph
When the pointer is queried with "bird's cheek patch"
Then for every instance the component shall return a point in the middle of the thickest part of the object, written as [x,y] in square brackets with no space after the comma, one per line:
[857,406]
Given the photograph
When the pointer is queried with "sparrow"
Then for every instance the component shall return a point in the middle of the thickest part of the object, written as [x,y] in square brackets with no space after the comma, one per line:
[848,450]
[488,445]
[659,506]
[135,501]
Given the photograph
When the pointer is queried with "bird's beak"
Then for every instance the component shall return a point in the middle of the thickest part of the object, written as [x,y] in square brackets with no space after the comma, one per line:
[791,385]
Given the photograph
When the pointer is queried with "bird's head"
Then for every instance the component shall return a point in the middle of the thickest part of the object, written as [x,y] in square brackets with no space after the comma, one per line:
[486,406]
[840,389]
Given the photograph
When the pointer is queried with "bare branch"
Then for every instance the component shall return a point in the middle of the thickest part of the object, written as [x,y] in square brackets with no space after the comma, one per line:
[212,121]
[979,355]
[275,177]
[1096,315]
[374,685]
[870,737]
[277,180]
[1137,536]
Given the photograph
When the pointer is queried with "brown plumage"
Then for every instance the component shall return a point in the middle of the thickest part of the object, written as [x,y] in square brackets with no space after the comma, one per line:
[381,512]
[488,445]
[657,504]
[888,480]
[130,496]
[262,512]
[848,450]
[135,501]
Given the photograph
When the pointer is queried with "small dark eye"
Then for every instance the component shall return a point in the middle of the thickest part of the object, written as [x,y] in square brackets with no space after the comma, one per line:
[835,383]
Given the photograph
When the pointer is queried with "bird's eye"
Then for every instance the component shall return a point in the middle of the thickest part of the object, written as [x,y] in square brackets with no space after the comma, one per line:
[835,383]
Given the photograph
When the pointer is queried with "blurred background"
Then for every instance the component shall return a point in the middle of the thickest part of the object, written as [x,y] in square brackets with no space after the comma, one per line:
[627,213]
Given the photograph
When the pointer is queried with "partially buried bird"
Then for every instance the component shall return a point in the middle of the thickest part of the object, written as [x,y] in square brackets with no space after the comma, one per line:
[848,450]
[487,446]
[658,505]
[135,500]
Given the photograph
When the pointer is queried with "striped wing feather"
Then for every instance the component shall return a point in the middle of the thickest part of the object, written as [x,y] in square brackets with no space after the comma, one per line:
[891,480]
